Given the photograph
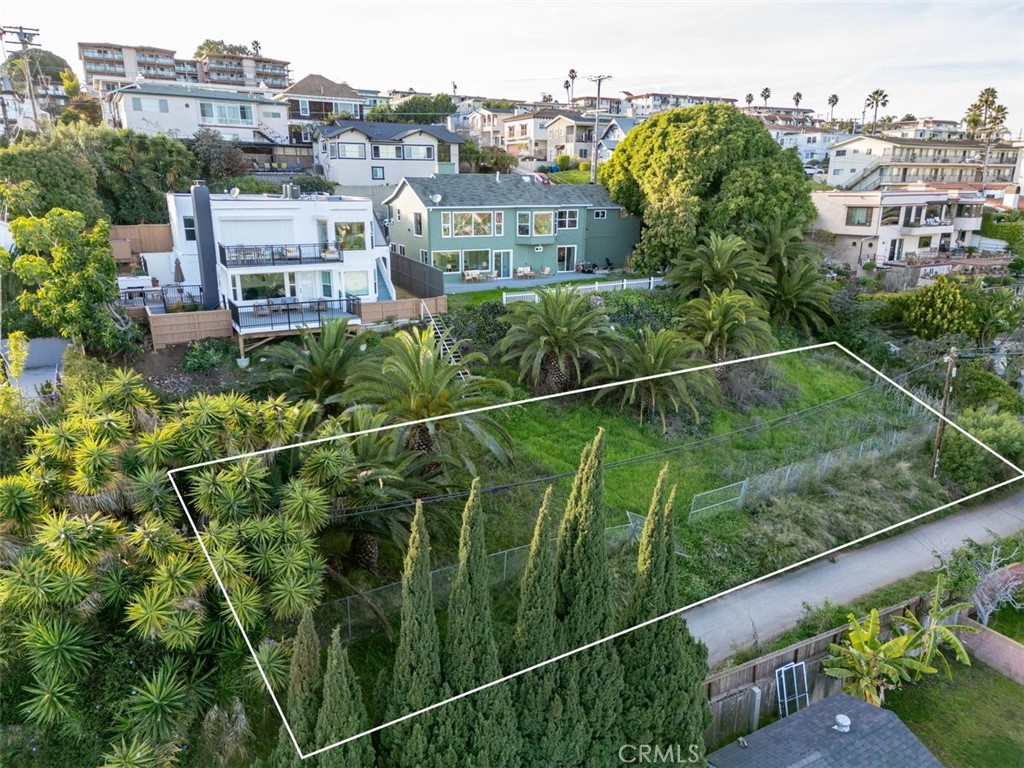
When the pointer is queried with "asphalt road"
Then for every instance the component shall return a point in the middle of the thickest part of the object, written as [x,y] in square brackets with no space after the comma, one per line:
[775,605]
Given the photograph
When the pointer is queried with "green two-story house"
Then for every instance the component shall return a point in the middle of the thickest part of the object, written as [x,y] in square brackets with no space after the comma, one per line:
[499,227]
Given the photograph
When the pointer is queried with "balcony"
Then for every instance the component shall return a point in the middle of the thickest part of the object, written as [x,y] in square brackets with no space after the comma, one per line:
[283,255]
[170,298]
[288,313]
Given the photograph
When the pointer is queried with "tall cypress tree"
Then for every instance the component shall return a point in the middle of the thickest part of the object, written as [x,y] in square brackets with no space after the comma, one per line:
[483,725]
[342,713]
[303,695]
[664,665]
[416,678]
[550,719]
[583,608]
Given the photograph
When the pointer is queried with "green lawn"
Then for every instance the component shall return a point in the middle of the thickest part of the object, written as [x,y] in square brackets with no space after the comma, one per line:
[971,721]
[570,177]
[1008,621]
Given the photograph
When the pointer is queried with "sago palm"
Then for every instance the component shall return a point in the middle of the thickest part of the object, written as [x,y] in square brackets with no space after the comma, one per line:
[550,341]
[717,264]
[318,367]
[727,324]
[649,354]
[781,246]
[801,299]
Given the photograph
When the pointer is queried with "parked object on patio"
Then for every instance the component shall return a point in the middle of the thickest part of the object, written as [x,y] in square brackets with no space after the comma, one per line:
[525,272]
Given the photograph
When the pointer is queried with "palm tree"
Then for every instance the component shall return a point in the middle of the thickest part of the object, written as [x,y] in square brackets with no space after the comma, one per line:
[995,313]
[800,298]
[226,732]
[553,339]
[717,264]
[832,101]
[877,98]
[766,93]
[749,98]
[316,368]
[412,380]
[727,324]
[572,84]
[648,354]
[797,98]
[780,243]
[568,86]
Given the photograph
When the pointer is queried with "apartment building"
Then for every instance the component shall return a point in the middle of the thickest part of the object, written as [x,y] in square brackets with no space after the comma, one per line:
[646,104]
[573,135]
[927,128]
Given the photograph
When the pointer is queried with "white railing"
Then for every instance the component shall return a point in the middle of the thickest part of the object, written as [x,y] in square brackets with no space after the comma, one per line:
[641,284]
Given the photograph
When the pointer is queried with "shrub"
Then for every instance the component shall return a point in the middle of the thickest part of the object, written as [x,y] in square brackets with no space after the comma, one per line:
[967,464]
[479,325]
[310,183]
[563,162]
[584,165]
[205,355]
[639,309]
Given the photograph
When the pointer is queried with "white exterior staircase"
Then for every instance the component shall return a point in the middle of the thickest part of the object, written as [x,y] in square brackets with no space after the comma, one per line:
[448,347]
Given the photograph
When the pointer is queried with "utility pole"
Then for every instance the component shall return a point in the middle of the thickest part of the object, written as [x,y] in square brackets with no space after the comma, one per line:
[25,36]
[946,389]
[597,117]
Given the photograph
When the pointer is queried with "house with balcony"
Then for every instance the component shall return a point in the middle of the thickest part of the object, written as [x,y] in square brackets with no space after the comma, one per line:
[873,162]
[526,135]
[356,153]
[279,263]
[927,128]
[486,126]
[181,109]
[573,135]
[479,227]
[899,225]
[643,105]
[314,99]
[610,105]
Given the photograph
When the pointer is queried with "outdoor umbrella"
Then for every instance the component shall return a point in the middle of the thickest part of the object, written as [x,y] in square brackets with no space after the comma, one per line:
[179,274]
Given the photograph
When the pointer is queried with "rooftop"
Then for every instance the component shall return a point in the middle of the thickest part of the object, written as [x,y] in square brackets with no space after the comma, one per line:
[318,85]
[548,113]
[388,131]
[191,91]
[806,738]
[471,190]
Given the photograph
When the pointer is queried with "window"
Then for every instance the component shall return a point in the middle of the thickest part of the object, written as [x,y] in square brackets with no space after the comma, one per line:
[463,224]
[840,153]
[417,224]
[424,256]
[890,216]
[566,258]
[924,242]
[602,214]
[446,261]
[377,172]
[306,136]
[190,228]
[351,235]
[273,115]
[333,152]
[143,104]
[858,216]
[349,151]
[836,171]
[326,285]
[543,223]
[304,107]
[387,152]
[225,114]
[480,260]
[446,223]
[523,223]
[583,153]
[357,283]
[473,224]
[499,223]
[321,232]
[419,152]
[260,286]
[567,219]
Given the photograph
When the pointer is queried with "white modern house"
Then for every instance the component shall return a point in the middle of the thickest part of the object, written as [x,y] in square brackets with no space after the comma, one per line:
[643,105]
[357,153]
[573,135]
[278,262]
[486,126]
[870,162]
[181,109]
[895,225]
[927,128]
[526,134]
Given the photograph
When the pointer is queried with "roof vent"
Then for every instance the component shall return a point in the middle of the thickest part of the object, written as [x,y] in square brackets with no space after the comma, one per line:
[842,724]
[527,178]
[497,176]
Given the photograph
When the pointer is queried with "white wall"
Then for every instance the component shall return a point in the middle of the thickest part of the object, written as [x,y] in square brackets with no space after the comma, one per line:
[182,117]
[359,171]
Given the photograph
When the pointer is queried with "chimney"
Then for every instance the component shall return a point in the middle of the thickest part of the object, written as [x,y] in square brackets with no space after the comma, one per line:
[206,246]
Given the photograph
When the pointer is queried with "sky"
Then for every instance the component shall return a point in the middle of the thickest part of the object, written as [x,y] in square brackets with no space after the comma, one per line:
[931,58]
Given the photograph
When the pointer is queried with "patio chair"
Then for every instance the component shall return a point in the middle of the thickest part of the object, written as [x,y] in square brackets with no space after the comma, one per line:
[546,272]
[261,308]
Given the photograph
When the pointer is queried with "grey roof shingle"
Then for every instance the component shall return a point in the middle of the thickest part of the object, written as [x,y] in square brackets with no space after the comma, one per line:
[319,86]
[877,737]
[389,131]
[193,92]
[468,190]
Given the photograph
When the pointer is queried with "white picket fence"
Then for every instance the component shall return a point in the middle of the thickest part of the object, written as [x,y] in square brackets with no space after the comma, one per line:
[642,284]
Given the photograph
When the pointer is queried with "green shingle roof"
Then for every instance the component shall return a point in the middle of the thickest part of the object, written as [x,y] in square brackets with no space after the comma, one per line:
[471,190]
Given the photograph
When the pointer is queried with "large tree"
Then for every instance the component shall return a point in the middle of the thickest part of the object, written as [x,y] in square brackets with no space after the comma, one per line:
[877,98]
[705,168]
[483,728]
[584,610]
[39,178]
[41,63]
[210,46]
[342,712]
[303,695]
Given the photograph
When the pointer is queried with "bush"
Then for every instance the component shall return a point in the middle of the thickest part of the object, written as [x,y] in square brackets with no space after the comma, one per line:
[480,325]
[563,162]
[639,309]
[970,466]
[585,165]
[205,355]
[310,183]
[980,388]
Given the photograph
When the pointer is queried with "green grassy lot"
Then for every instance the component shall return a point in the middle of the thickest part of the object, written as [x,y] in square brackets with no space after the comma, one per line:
[1008,621]
[971,721]
[570,177]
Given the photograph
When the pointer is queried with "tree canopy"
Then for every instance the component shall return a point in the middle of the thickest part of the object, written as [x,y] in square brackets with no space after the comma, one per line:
[41,63]
[703,168]
[416,109]
[219,46]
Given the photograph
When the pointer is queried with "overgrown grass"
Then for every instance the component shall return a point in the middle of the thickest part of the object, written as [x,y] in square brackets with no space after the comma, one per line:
[971,721]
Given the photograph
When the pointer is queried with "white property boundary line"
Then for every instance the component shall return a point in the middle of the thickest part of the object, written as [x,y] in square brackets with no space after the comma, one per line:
[620,633]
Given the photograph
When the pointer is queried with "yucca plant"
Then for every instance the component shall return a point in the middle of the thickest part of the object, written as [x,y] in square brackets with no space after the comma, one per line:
[136,753]
[154,539]
[182,630]
[151,492]
[159,709]
[95,462]
[272,657]
[249,604]
[57,649]
[306,504]
[50,701]
[151,611]
[291,594]
[158,448]
[28,584]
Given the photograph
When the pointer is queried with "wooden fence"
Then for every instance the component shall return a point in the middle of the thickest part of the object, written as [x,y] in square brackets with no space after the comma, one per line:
[181,327]
[732,695]
[402,309]
[144,238]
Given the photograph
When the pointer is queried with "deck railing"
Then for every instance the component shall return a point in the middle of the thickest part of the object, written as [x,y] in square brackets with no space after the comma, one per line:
[283,254]
[289,313]
[168,296]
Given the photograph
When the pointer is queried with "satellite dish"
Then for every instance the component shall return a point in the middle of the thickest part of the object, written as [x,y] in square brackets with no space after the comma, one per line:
[234,192]
[436,198]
